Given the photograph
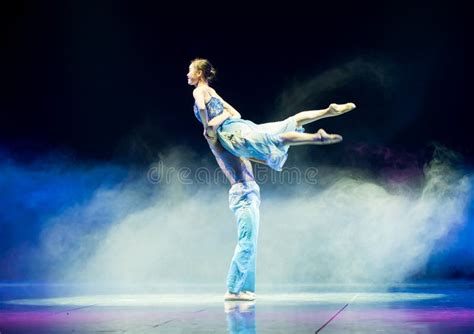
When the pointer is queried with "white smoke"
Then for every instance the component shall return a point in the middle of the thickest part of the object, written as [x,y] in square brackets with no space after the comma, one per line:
[351,230]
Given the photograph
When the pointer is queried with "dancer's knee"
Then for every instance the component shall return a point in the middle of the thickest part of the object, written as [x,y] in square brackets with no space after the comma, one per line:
[300,118]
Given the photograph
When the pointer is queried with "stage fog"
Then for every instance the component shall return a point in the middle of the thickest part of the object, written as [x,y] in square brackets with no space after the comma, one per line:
[170,223]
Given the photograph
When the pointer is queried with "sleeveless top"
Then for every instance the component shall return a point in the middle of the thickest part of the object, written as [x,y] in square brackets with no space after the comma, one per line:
[214,107]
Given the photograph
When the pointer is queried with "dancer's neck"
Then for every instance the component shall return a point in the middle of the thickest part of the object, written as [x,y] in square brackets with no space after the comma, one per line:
[202,84]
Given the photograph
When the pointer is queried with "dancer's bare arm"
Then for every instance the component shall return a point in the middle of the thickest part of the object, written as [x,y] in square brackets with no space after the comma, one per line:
[218,120]
[201,103]
[209,126]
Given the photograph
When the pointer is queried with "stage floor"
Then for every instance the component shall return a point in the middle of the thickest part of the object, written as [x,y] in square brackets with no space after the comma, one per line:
[436,307]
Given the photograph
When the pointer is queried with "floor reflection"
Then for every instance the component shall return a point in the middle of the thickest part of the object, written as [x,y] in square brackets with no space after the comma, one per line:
[240,317]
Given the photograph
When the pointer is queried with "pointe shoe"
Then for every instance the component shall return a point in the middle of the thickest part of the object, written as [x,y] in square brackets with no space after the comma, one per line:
[339,109]
[326,138]
[244,296]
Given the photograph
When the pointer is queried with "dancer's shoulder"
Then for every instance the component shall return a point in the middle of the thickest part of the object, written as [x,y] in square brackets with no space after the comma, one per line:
[204,89]
[200,91]
[197,90]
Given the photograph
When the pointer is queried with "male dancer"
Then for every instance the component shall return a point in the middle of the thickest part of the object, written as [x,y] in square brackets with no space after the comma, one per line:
[244,201]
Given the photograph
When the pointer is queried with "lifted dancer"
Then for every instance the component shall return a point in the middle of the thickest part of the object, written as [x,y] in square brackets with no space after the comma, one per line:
[266,143]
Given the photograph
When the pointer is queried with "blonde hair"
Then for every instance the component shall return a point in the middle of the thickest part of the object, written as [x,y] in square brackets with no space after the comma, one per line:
[204,65]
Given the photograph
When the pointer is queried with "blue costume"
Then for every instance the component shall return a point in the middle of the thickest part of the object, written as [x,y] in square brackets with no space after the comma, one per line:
[245,139]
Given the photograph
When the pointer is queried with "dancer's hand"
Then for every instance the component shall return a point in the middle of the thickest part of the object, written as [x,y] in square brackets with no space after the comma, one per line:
[212,141]
[209,133]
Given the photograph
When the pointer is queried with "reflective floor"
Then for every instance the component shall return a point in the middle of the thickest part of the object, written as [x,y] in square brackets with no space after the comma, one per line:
[439,307]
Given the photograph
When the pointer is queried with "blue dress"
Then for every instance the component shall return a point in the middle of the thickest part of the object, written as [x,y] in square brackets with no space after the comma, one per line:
[244,138]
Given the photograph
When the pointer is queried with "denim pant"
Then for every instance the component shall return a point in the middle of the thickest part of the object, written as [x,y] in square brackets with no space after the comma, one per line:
[244,201]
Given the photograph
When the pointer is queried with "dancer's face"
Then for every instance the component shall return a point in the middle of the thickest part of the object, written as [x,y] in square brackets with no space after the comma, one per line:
[193,75]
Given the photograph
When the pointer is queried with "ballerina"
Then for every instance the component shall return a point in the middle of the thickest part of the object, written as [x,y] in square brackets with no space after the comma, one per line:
[266,143]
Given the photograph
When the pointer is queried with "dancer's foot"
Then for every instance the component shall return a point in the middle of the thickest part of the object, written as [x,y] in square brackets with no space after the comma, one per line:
[251,293]
[247,296]
[339,109]
[324,138]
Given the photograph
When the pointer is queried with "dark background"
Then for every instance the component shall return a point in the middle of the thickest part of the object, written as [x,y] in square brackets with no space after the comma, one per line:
[106,80]
[92,89]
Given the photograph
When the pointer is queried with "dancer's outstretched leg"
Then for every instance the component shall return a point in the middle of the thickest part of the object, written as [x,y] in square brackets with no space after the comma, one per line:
[305,117]
[302,118]
[319,138]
